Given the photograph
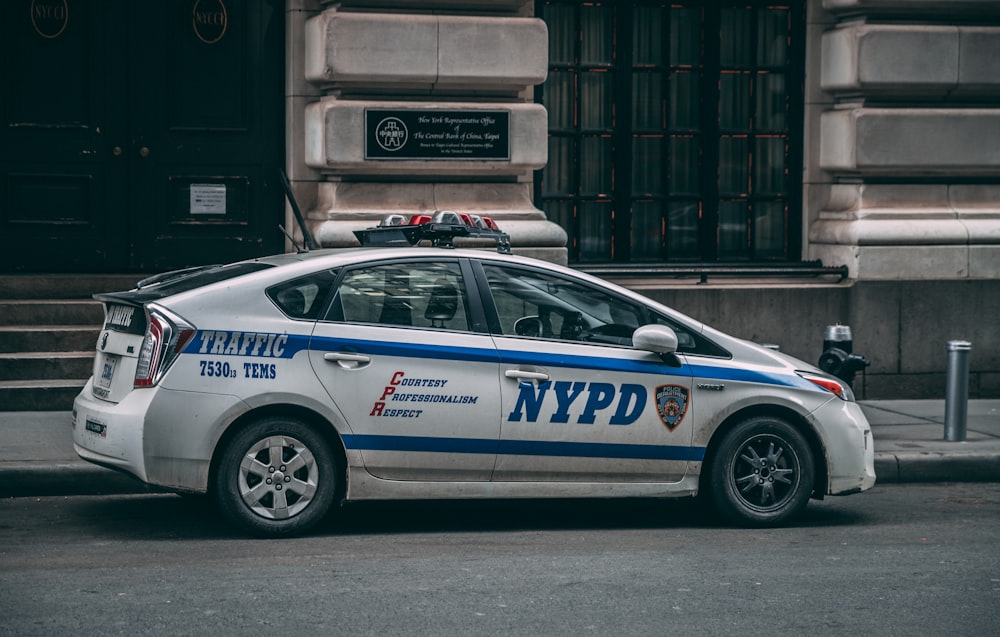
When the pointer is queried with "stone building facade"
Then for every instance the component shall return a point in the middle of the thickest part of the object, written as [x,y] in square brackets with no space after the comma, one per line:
[900,164]
[769,167]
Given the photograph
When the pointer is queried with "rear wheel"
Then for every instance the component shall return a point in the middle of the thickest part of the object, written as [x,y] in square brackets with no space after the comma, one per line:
[276,478]
[762,474]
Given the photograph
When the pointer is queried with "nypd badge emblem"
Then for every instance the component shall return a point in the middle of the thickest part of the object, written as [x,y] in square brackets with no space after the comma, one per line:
[671,404]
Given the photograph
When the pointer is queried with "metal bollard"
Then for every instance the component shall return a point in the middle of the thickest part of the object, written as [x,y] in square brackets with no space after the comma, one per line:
[956,403]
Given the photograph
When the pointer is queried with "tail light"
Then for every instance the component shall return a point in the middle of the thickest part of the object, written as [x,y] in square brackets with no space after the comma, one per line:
[166,336]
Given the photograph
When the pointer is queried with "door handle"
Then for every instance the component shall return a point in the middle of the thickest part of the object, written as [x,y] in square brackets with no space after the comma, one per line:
[519,374]
[144,152]
[346,357]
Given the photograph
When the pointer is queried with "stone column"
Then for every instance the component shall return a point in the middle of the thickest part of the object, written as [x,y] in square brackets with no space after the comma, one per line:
[412,62]
[909,145]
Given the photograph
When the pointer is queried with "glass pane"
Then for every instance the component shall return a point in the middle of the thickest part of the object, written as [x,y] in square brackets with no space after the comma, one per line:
[684,112]
[734,102]
[559,100]
[682,230]
[771,102]
[595,166]
[769,229]
[769,166]
[647,166]
[596,24]
[536,305]
[647,36]
[734,163]
[647,101]
[732,229]
[561,20]
[595,101]
[561,213]
[772,37]
[685,37]
[684,166]
[595,231]
[735,38]
[426,295]
[558,176]
[647,227]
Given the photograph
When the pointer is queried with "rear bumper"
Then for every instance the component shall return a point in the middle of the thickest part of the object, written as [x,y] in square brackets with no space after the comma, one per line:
[163,437]
[110,434]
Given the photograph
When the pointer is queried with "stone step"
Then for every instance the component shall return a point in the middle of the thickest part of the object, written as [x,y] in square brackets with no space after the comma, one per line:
[64,286]
[51,312]
[39,395]
[49,325]
[48,338]
[46,365]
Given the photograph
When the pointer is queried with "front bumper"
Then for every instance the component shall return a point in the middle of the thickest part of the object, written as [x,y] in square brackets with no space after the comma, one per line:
[849,447]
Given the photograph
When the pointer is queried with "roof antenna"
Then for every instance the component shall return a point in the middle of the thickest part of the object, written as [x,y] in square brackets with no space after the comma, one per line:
[298,247]
[307,238]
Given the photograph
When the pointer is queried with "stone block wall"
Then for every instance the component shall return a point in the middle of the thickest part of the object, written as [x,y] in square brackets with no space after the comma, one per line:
[903,327]
[904,125]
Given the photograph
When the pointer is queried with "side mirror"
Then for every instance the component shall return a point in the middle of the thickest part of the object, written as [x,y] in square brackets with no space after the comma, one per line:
[658,339]
[529,326]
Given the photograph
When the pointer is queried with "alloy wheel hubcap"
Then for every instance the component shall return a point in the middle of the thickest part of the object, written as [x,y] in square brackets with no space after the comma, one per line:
[278,477]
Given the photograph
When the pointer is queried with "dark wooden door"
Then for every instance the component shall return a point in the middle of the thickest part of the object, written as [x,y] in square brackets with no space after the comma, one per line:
[139,135]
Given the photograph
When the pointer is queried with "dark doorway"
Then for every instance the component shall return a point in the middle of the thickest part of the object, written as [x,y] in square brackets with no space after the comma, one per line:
[139,135]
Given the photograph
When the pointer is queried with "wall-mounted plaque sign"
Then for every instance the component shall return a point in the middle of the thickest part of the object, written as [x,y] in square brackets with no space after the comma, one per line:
[437,134]
[208,199]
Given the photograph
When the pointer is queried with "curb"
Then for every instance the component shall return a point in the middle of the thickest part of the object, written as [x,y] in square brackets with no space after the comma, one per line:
[931,466]
[65,479]
[35,479]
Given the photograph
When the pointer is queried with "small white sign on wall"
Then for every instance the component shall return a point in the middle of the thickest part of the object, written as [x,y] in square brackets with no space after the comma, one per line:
[208,199]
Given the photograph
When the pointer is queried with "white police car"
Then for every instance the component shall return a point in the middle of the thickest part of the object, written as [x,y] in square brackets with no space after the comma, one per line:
[285,385]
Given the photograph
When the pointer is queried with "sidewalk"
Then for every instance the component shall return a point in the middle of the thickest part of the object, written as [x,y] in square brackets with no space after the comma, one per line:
[37,457]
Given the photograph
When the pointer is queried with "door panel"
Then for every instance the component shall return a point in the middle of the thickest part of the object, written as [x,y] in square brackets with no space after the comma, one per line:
[417,386]
[578,402]
[139,135]
[596,417]
[60,121]
[207,134]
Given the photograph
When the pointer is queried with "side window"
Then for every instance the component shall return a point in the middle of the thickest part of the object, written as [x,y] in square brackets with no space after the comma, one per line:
[303,298]
[539,305]
[420,294]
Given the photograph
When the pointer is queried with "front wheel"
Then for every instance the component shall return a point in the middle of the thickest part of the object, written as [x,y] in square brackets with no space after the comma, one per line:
[276,478]
[762,474]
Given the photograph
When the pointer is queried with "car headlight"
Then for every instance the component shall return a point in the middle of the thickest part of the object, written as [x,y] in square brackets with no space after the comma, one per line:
[834,385]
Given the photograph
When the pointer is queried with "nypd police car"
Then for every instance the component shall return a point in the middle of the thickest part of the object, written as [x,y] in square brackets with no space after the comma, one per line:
[287,385]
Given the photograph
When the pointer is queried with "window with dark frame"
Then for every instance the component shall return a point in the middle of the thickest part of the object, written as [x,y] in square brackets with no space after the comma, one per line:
[675,129]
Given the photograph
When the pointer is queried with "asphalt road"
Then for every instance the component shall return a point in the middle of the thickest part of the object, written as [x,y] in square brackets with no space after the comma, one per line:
[899,560]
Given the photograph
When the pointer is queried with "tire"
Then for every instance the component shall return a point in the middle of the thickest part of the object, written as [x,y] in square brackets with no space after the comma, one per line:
[762,473]
[276,478]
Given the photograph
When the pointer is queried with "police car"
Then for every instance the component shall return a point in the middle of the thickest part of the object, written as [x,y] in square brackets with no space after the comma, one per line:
[287,385]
